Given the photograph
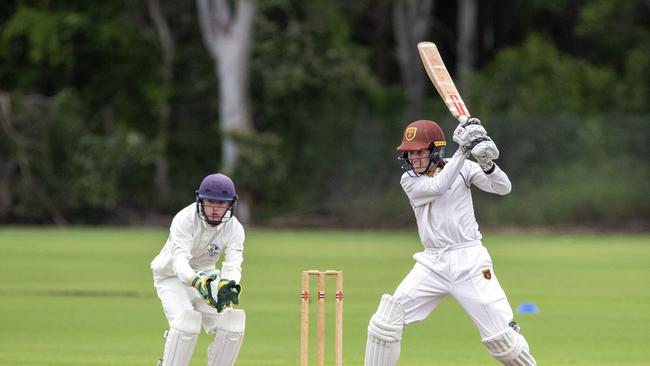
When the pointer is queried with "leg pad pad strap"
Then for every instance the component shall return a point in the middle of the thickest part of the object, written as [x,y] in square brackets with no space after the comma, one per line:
[510,348]
[181,339]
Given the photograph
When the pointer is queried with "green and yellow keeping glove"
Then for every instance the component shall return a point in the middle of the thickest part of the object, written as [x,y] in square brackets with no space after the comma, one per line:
[228,294]
[201,282]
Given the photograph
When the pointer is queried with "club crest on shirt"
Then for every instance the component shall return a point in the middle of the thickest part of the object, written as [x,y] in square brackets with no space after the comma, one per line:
[487,274]
[213,250]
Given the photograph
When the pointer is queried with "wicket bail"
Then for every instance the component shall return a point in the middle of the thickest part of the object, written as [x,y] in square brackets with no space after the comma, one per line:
[304,318]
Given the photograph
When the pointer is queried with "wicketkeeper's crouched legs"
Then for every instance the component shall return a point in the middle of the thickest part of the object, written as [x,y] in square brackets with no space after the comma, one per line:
[510,348]
[385,333]
[229,335]
[181,338]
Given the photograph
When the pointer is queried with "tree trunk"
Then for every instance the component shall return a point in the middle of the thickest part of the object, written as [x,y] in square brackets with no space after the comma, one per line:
[467,46]
[162,179]
[227,28]
[412,20]
[381,34]
[6,175]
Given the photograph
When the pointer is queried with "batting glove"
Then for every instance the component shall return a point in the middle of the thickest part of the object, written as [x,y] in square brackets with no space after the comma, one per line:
[201,282]
[485,151]
[466,132]
[228,294]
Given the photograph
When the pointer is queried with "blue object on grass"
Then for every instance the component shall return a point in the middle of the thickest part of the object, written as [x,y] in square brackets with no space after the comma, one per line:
[528,308]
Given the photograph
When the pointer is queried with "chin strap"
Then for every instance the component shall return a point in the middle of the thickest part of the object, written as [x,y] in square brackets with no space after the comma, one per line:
[436,160]
[224,218]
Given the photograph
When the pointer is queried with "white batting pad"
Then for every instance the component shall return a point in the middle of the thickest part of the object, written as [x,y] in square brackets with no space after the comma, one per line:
[229,336]
[385,333]
[181,338]
[510,348]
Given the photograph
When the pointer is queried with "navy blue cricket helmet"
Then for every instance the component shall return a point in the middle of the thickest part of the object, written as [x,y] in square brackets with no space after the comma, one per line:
[216,187]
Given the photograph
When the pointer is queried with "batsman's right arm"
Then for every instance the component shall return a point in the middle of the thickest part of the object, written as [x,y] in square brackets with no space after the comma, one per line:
[422,190]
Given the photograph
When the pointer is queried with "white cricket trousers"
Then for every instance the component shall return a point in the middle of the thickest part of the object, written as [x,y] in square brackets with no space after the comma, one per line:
[176,297]
[464,272]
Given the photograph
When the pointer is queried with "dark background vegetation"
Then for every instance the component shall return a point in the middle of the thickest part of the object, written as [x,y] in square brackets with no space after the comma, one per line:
[562,87]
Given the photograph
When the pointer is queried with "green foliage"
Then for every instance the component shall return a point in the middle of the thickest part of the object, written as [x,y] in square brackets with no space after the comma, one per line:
[617,36]
[633,94]
[261,167]
[570,138]
[88,171]
[563,88]
[102,163]
[536,79]
[320,96]
[605,191]
[41,30]
[609,25]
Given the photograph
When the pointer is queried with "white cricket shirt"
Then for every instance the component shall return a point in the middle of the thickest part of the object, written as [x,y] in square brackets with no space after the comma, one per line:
[443,203]
[193,245]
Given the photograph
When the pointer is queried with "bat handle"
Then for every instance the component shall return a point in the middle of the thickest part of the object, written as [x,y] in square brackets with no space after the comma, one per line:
[462,119]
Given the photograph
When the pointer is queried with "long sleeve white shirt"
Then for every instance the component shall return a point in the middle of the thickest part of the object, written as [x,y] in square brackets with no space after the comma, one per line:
[443,204]
[193,245]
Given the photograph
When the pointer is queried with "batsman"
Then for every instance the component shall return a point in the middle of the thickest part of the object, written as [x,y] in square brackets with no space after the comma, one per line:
[454,261]
[192,291]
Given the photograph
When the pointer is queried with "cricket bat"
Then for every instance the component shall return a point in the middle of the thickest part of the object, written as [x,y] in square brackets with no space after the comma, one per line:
[443,82]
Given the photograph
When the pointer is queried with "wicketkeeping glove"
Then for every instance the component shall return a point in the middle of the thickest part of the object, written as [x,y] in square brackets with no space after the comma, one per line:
[201,282]
[228,294]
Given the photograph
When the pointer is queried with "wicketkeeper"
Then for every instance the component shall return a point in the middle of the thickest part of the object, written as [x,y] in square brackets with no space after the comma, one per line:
[454,261]
[191,290]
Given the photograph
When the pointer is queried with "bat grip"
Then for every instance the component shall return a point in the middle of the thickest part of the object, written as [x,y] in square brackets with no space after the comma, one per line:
[462,119]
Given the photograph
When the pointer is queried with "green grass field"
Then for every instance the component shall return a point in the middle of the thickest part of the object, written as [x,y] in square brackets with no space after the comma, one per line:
[85,296]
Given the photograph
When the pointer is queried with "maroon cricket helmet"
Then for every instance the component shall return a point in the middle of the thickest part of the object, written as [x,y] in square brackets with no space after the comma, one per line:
[422,134]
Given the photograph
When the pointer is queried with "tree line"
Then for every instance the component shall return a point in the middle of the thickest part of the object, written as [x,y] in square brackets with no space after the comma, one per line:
[113,111]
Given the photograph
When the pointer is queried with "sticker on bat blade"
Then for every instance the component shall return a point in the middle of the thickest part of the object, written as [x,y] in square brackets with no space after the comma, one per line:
[458,104]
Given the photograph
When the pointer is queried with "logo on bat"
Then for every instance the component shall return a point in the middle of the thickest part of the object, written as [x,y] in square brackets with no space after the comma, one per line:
[458,104]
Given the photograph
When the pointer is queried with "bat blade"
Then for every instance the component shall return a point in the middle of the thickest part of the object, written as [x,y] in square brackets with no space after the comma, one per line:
[441,79]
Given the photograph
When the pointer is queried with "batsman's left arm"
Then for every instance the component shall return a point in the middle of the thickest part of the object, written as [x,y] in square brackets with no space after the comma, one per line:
[496,181]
